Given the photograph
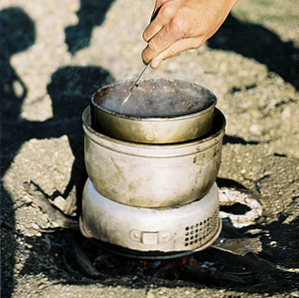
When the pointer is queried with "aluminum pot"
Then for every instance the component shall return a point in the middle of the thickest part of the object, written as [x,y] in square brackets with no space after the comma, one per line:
[153,176]
[159,111]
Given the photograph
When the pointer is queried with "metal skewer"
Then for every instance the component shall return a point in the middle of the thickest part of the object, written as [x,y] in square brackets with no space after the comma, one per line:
[135,84]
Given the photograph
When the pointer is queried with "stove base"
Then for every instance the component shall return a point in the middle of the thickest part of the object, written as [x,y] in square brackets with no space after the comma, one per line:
[152,255]
[149,232]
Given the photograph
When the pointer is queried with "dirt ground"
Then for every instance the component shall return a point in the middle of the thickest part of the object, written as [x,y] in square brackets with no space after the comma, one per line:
[53,56]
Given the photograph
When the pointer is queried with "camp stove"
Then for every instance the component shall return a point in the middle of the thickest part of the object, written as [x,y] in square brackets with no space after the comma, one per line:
[148,199]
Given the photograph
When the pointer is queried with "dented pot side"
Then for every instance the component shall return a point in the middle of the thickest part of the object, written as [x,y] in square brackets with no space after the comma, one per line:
[152,176]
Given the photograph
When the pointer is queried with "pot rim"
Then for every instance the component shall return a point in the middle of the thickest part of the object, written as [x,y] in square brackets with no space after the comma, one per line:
[159,150]
[151,118]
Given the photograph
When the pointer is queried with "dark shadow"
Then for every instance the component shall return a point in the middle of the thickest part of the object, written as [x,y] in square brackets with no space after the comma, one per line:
[225,182]
[258,42]
[251,273]
[70,90]
[237,140]
[92,13]
[17,33]
[237,209]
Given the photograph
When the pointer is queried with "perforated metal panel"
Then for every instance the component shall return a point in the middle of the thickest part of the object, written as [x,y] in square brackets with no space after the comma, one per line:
[200,232]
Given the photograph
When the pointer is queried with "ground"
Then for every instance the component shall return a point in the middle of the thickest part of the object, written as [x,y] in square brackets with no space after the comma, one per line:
[54,55]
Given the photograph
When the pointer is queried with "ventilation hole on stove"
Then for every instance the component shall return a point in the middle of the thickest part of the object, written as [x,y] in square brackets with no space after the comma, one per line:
[201,231]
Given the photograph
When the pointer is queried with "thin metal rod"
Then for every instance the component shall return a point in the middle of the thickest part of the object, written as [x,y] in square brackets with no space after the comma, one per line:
[136,83]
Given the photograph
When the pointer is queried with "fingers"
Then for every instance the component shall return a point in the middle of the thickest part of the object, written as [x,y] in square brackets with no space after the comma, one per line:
[152,29]
[156,23]
[158,5]
[160,42]
[156,11]
[177,47]
[180,25]
[162,32]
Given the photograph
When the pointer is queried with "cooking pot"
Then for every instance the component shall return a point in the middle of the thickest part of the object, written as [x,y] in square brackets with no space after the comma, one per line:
[153,176]
[159,111]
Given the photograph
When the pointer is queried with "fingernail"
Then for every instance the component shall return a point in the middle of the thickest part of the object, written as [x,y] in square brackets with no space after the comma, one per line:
[156,63]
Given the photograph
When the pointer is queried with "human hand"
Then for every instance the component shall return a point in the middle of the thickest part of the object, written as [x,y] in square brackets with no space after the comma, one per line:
[180,25]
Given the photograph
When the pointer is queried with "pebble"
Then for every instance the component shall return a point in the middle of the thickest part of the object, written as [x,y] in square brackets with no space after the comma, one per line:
[27,200]
[29,246]
[41,287]
[273,243]
[35,226]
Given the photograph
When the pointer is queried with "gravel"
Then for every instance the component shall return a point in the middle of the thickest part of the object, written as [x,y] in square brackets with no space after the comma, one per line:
[55,54]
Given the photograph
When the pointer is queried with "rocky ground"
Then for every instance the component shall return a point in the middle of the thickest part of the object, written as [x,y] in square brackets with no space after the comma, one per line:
[54,55]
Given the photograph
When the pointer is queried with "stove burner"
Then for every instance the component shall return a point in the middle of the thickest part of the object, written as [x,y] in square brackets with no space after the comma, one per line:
[152,255]
[148,232]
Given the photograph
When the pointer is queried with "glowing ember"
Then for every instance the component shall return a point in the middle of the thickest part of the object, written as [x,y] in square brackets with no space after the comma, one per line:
[159,269]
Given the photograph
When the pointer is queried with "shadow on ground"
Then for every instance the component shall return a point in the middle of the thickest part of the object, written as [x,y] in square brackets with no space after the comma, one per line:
[70,90]
[91,13]
[257,42]
[17,33]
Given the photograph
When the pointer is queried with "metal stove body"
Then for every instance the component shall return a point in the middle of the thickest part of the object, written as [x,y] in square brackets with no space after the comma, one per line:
[173,210]
[187,228]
